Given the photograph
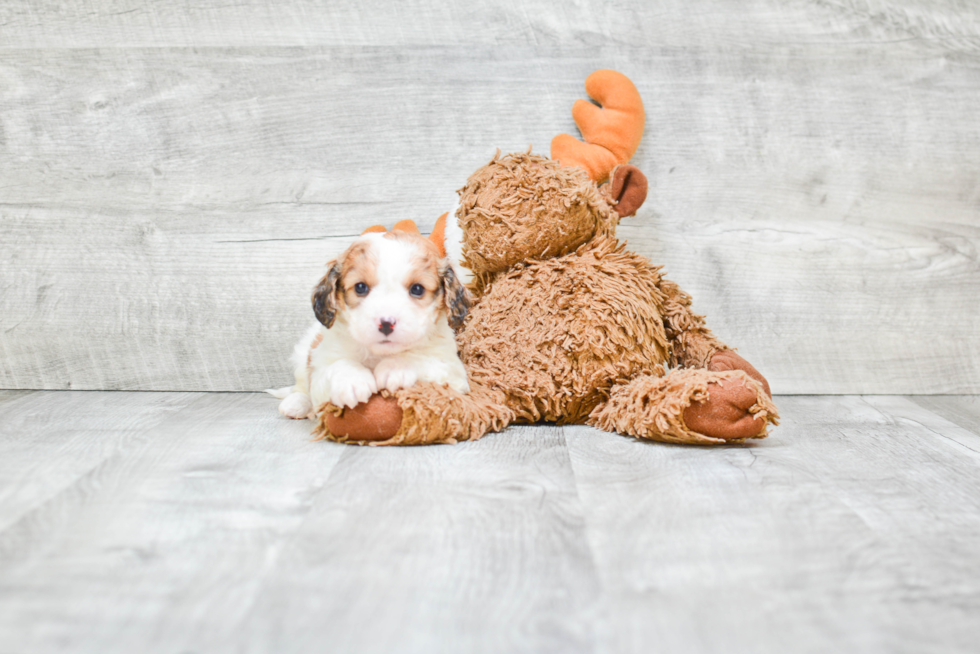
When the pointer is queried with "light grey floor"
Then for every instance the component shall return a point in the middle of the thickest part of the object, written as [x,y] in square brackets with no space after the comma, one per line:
[204,522]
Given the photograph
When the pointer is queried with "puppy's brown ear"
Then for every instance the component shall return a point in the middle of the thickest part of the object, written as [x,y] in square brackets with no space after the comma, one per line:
[326,296]
[456,297]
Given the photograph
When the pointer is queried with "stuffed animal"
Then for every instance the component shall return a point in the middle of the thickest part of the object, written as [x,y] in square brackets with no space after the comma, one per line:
[568,325]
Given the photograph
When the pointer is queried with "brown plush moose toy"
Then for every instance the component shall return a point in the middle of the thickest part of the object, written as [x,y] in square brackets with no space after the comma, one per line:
[567,325]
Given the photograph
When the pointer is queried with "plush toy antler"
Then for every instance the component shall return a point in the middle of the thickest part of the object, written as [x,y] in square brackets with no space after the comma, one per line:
[438,235]
[612,133]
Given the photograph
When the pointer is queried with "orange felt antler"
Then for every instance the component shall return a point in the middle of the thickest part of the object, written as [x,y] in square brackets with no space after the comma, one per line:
[401,226]
[611,133]
[438,235]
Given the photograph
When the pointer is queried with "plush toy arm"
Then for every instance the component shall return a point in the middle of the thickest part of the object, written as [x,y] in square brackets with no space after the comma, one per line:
[424,414]
[692,344]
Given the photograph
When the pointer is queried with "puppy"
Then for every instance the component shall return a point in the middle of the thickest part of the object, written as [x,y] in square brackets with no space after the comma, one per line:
[386,310]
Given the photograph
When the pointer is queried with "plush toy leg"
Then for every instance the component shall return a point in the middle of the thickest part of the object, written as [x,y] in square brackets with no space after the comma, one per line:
[695,406]
[429,413]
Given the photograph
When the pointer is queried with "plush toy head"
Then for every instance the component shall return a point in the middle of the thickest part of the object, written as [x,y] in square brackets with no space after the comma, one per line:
[525,206]
[521,207]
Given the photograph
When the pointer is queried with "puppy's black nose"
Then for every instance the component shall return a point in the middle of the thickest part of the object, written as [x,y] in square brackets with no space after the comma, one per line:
[386,327]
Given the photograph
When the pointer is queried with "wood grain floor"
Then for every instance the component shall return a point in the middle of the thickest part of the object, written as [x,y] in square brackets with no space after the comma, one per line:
[203,522]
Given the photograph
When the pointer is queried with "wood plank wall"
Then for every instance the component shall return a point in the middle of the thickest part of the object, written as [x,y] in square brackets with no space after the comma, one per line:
[174,175]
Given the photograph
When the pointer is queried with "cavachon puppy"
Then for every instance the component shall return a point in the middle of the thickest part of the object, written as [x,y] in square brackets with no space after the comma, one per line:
[386,310]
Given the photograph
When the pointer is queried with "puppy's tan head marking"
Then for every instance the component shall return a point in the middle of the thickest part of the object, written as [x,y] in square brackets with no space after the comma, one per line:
[422,281]
[433,273]
[337,289]
[360,266]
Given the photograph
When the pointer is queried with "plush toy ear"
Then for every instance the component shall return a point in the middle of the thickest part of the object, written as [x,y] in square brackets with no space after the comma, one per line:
[326,296]
[627,189]
[456,298]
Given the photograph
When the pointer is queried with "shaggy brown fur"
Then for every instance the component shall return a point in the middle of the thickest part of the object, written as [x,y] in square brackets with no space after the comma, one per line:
[693,344]
[573,330]
[571,327]
[433,413]
[653,407]
[522,207]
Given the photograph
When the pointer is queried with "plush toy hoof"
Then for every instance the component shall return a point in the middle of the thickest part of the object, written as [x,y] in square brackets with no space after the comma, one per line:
[378,419]
[725,414]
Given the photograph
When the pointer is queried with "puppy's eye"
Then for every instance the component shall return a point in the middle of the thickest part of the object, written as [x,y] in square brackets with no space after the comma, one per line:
[416,290]
[361,289]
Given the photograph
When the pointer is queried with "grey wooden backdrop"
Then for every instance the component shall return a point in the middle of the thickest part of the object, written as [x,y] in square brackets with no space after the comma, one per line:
[174,174]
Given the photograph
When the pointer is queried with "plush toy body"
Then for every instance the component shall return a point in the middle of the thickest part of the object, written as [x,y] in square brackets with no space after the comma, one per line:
[569,326]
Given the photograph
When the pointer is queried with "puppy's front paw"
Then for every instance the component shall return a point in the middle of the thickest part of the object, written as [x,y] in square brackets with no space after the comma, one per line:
[391,374]
[296,406]
[352,389]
